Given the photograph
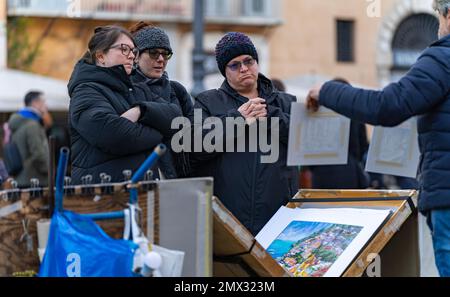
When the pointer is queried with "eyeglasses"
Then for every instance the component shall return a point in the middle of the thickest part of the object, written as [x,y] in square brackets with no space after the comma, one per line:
[443,12]
[126,49]
[154,54]
[235,66]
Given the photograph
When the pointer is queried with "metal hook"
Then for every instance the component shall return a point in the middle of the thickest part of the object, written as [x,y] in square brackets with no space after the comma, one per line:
[148,175]
[67,180]
[14,184]
[34,183]
[67,186]
[127,174]
[106,179]
[86,181]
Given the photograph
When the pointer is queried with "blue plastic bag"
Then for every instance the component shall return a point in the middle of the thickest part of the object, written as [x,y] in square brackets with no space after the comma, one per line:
[78,247]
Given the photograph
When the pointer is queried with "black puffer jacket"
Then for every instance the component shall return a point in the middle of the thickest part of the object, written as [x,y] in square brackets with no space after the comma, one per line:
[101,140]
[172,165]
[169,90]
[253,191]
[424,92]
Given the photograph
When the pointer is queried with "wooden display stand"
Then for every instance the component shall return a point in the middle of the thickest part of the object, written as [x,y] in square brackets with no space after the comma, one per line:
[175,214]
[236,253]
[21,209]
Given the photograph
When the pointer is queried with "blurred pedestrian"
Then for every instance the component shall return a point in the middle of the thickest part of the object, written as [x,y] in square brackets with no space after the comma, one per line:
[278,84]
[28,133]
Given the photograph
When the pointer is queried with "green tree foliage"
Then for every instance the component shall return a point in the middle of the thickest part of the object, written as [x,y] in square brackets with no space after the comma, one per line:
[21,51]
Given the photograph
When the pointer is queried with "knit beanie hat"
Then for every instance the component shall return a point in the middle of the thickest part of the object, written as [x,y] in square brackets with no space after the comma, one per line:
[152,37]
[232,45]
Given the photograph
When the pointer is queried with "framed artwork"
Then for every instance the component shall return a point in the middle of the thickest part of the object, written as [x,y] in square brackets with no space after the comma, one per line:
[394,150]
[319,242]
[317,138]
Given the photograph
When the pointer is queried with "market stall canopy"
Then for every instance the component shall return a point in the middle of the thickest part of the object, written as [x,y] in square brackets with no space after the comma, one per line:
[14,84]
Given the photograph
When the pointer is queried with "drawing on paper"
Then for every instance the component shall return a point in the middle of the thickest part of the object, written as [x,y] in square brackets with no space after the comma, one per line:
[311,248]
[320,136]
[395,145]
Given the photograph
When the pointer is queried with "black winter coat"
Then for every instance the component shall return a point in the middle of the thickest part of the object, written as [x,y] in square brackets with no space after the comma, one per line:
[350,175]
[169,90]
[253,191]
[172,165]
[101,140]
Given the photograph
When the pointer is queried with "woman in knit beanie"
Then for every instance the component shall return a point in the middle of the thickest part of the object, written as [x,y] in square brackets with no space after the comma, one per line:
[251,188]
[154,47]
[232,45]
[150,70]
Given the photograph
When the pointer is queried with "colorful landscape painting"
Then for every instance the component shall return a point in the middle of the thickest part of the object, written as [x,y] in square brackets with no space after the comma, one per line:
[310,248]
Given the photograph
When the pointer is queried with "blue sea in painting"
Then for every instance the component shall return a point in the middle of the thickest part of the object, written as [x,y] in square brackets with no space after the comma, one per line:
[297,230]
[279,247]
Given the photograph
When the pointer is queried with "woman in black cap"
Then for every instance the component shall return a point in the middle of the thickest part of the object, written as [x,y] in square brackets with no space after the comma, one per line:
[150,70]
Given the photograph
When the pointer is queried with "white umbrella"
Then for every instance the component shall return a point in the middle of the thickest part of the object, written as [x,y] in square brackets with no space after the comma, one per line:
[15,84]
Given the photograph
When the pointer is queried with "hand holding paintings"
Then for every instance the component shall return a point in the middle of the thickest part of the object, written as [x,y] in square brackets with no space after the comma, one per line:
[312,100]
[319,138]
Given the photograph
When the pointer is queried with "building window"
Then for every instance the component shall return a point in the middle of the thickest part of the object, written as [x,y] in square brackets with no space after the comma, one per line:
[19,3]
[217,8]
[239,8]
[255,7]
[412,36]
[345,41]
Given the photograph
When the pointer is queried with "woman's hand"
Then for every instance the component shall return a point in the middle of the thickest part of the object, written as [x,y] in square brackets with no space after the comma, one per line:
[132,114]
[253,110]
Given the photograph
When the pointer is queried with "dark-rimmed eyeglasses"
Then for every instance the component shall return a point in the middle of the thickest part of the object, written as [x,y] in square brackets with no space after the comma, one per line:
[126,49]
[235,66]
[154,54]
[443,12]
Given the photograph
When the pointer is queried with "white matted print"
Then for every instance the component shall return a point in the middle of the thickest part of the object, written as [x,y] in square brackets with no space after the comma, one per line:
[394,150]
[317,138]
[319,242]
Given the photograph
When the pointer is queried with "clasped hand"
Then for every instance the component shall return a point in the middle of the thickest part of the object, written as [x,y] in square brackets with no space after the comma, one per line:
[253,109]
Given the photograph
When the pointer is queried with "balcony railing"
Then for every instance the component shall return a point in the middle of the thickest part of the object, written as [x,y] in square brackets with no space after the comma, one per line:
[216,11]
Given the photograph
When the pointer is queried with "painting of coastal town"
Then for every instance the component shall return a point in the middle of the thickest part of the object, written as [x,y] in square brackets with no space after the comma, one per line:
[309,249]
